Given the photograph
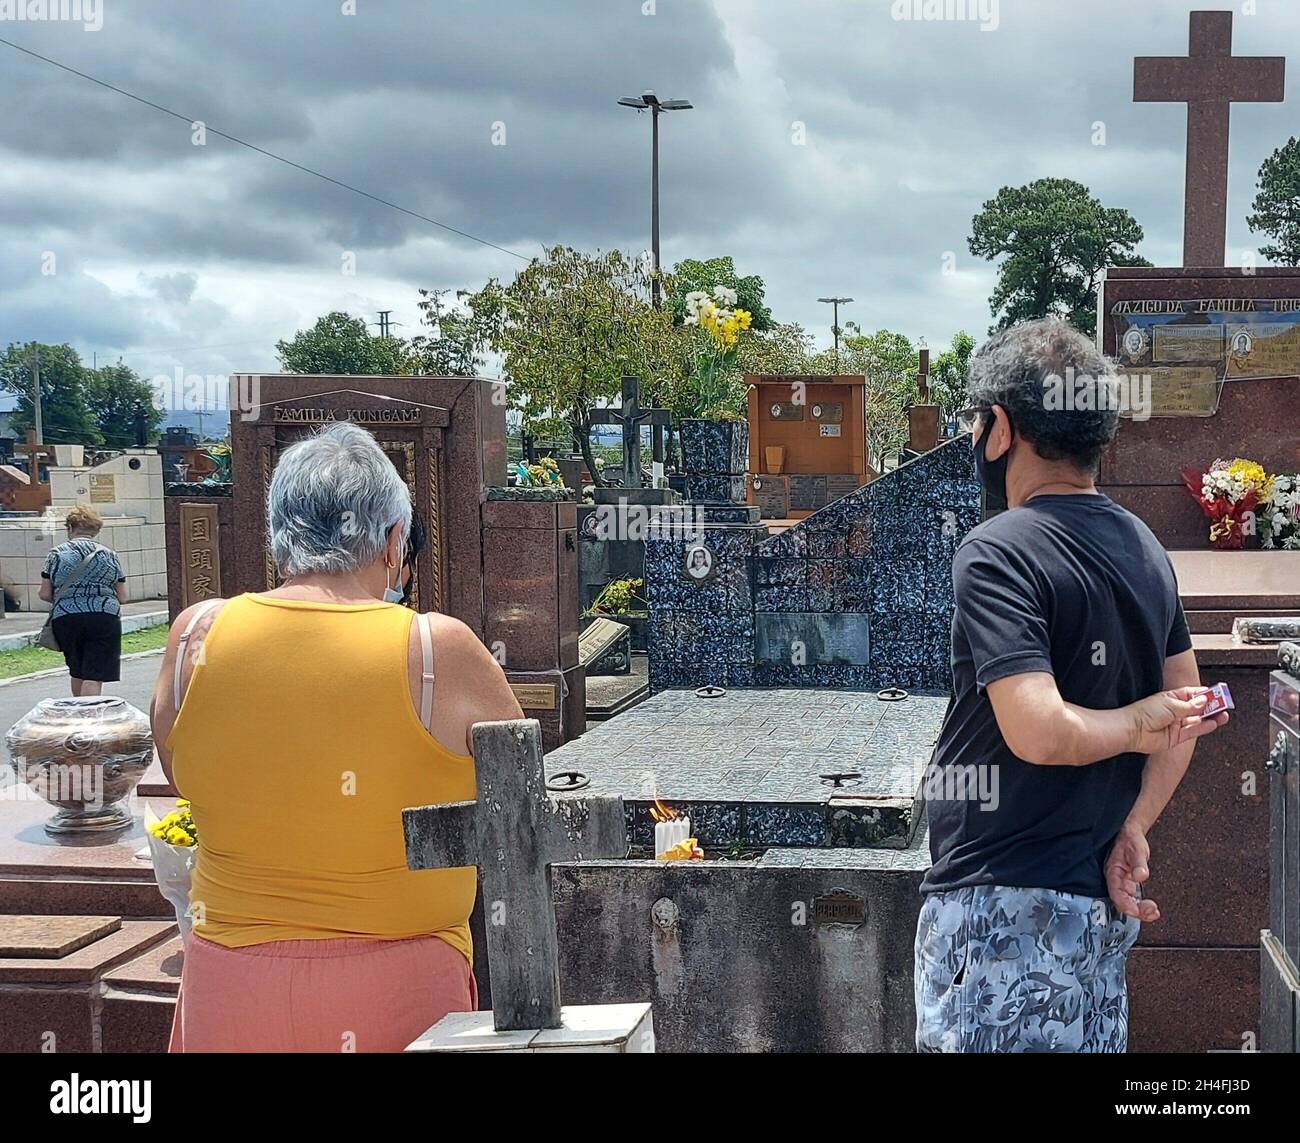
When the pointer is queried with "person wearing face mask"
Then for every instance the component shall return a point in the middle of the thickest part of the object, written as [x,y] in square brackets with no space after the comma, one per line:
[1076,707]
[300,722]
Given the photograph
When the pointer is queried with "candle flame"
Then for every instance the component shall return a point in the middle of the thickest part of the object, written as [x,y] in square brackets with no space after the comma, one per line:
[662,813]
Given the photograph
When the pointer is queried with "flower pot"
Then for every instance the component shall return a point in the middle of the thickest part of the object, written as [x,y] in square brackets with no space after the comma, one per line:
[774,455]
[714,448]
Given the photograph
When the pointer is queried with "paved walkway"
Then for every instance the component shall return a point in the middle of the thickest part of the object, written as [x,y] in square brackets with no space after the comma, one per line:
[18,622]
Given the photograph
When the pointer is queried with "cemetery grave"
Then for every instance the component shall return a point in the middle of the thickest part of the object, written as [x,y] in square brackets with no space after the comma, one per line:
[796,684]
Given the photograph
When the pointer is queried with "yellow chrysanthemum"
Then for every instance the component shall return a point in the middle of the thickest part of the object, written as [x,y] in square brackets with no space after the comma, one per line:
[1252,474]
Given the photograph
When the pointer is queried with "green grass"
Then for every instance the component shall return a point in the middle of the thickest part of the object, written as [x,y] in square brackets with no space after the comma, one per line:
[28,659]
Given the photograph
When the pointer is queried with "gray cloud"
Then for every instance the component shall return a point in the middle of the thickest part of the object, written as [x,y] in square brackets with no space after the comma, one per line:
[203,256]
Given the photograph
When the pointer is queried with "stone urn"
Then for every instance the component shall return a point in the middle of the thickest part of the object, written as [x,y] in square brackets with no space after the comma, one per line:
[84,756]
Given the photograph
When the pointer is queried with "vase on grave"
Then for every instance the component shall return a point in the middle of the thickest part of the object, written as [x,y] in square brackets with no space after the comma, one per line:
[775,457]
[84,756]
[715,454]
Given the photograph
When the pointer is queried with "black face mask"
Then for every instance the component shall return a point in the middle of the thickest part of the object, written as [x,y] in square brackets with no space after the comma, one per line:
[992,474]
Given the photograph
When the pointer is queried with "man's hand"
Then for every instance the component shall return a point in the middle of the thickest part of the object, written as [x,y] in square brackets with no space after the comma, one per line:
[1126,868]
[1167,719]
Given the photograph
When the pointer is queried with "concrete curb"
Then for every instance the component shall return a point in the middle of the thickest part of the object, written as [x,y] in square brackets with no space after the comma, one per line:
[54,672]
[21,639]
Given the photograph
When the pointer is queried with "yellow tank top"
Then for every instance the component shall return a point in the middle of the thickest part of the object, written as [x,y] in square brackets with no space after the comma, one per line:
[298,748]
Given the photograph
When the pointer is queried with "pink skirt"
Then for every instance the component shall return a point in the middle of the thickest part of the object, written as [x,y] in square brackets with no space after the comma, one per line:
[343,995]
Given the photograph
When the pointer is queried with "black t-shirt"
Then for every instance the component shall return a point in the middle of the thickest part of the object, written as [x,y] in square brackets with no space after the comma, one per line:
[1078,587]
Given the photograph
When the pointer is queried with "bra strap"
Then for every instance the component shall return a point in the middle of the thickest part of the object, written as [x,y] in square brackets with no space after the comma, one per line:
[180,649]
[426,678]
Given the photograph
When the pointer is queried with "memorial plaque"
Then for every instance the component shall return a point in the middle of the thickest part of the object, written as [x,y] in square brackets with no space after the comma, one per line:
[829,430]
[840,907]
[535,696]
[786,411]
[1176,344]
[828,412]
[807,493]
[772,495]
[839,486]
[103,488]
[200,554]
[1189,348]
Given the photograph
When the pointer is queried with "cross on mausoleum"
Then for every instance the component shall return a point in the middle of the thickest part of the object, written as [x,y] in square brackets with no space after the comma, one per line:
[1209,79]
[630,416]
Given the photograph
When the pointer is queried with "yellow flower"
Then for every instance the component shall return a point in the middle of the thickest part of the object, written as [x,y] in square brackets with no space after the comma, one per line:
[182,802]
[743,318]
[1252,474]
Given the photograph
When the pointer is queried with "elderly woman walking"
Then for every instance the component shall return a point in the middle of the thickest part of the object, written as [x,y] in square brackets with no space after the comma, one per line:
[299,723]
[84,582]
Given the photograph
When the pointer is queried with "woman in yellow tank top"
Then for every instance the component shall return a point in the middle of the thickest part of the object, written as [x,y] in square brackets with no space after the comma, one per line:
[299,723]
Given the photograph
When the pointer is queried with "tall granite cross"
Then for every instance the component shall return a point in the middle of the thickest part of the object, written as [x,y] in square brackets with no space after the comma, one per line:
[514,832]
[630,415]
[1209,79]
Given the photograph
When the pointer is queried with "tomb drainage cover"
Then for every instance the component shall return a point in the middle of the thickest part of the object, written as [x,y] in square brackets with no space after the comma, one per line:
[851,778]
[567,780]
[710,692]
[892,694]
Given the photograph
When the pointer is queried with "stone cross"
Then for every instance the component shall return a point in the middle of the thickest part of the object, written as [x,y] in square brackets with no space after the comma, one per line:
[1209,79]
[514,832]
[630,415]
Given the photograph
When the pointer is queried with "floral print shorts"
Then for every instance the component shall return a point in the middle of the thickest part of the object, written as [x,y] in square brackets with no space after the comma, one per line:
[1021,970]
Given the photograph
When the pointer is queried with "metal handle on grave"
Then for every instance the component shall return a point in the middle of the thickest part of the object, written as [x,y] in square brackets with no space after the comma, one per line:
[1276,760]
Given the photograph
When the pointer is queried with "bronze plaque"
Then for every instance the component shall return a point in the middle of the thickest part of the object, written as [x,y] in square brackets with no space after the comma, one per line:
[103,488]
[200,553]
[840,907]
[785,411]
[828,412]
[536,696]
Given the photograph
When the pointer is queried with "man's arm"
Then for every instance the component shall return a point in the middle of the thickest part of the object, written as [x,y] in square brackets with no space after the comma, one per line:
[1129,863]
[1040,727]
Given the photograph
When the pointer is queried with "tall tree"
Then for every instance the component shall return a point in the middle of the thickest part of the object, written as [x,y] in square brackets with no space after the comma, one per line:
[113,394]
[948,374]
[1055,239]
[890,364]
[457,337]
[66,417]
[1277,205]
[568,328]
[693,276]
[340,343]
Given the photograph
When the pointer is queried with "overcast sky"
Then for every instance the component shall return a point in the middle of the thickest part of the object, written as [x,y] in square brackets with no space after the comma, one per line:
[201,257]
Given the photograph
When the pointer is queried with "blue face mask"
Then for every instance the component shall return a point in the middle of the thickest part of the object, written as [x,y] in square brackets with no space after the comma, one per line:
[394,594]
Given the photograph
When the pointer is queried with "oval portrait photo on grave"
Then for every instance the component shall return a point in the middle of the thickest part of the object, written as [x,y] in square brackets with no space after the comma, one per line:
[700,563]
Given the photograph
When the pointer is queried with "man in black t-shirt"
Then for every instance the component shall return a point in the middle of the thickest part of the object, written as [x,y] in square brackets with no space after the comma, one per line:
[1076,705]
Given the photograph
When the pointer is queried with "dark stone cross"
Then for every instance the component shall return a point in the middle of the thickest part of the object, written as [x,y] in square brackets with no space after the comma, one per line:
[630,415]
[1209,79]
[514,832]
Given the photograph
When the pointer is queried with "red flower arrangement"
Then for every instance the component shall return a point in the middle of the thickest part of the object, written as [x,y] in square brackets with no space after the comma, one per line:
[1228,494]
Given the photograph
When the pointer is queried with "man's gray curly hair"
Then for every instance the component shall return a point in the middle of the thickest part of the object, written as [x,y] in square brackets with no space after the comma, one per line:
[1026,369]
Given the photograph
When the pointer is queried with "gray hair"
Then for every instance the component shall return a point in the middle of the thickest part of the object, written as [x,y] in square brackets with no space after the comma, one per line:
[1061,394]
[332,501]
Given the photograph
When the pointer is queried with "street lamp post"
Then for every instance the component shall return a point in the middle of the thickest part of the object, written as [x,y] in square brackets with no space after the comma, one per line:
[835,320]
[650,101]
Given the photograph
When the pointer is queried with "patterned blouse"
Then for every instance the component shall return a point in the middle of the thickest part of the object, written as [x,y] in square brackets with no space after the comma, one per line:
[95,590]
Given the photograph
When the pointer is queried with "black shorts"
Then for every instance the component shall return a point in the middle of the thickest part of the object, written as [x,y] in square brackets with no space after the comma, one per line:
[91,642]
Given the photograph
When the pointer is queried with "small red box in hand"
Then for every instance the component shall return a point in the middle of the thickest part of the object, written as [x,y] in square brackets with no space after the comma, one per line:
[1217,701]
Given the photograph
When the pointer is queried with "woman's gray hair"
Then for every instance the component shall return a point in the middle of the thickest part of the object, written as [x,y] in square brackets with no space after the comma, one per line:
[1060,393]
[332,501]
